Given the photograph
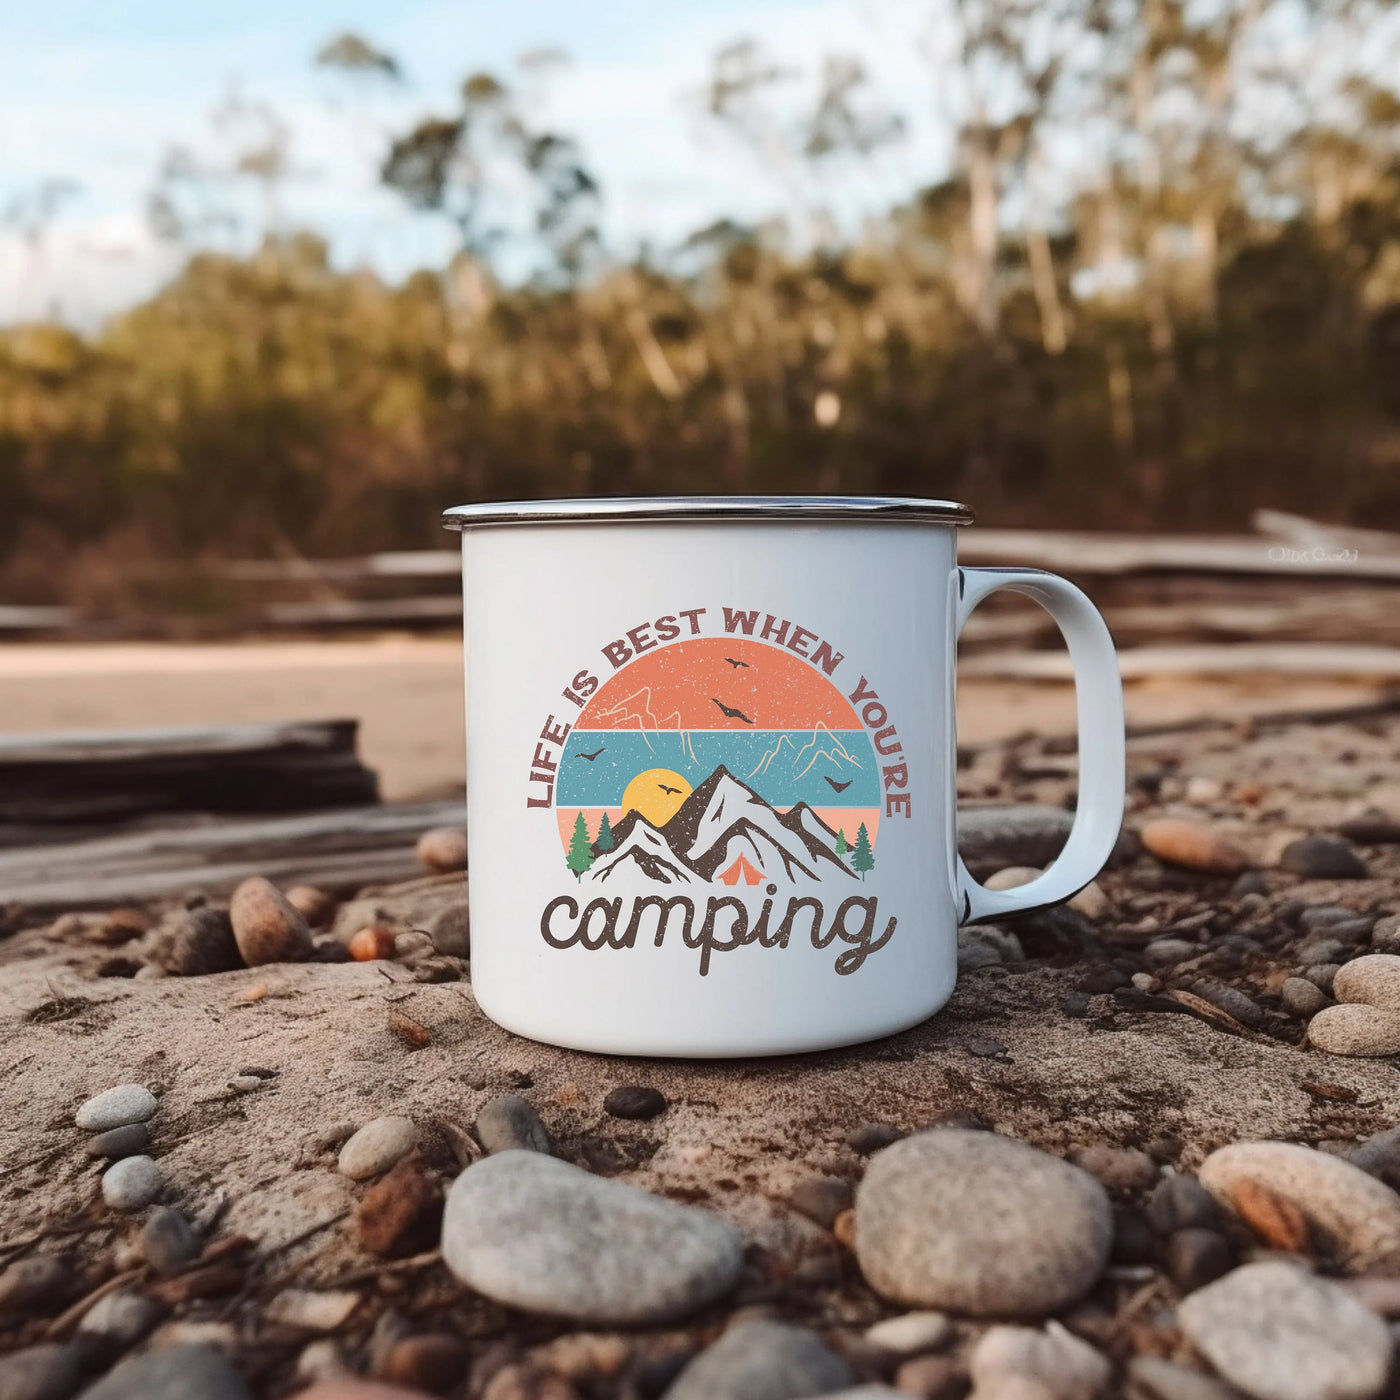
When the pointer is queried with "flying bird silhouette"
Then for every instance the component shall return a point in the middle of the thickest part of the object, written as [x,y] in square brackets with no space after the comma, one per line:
[734,663]
[838,787]
[731,714]
[664,788]
[591,756]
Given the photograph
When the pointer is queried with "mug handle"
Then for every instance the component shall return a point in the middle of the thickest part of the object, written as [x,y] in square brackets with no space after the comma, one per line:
[1098,690]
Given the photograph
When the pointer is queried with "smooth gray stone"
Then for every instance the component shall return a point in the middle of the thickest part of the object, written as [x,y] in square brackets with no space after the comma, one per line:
[167,1241]
[115,1107]
[762,1360]
[536,1233]
[510,1122]
[179,1373]
[47,1372]
[1017,834]
[127,1141]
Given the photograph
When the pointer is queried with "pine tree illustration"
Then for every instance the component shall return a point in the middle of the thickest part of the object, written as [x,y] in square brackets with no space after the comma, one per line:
[863,859]
[841,844]
[580,855]
[604,842]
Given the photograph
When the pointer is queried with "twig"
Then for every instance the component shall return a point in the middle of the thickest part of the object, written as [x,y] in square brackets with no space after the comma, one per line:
[69,1316]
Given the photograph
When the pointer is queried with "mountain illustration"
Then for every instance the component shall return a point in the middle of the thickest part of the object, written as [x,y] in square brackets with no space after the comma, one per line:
[725,831]
[638,845]
[823,746]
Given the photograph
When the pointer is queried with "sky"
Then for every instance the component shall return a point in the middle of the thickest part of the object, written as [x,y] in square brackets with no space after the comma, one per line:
[94,96]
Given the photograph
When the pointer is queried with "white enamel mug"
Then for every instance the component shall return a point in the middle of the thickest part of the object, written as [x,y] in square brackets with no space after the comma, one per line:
[711,767]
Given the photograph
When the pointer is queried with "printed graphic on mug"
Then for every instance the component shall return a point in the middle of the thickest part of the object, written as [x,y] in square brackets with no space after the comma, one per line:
[732,760]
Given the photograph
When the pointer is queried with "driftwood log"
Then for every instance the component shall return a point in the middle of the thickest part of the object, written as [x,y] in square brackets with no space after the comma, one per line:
[104,777]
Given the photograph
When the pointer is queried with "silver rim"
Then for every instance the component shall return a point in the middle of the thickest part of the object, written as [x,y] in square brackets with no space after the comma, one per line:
[623,510]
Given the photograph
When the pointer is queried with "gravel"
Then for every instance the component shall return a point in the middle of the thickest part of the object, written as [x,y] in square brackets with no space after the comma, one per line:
[180,1373]
[116,1108]
[760,1360]
[376,1147]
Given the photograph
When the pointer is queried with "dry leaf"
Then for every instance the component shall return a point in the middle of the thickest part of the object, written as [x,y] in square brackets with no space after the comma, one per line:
[250,994]
[1207,1009]
[413,1033]
[1274,1218]
[1338,1093]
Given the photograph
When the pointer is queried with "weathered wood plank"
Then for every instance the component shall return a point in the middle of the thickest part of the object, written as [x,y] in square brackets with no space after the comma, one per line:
[1242,658]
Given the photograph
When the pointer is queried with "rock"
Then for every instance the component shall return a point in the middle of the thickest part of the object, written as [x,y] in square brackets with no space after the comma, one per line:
[1317,952]
[166,1241]
[30,1284]
[125,1141]
[373,943]
[1354,1029]
[821,1198]
[634,1101]
[1385,934]
[1351,1216]
[316,906]
[1323,976]
[1012,835]
[1091,901]
[535,1233]
[986,945]
[1279,1333]
[1197,1257]
[47,1372]
[1182,1203]
[181,1373]
[980,1224]
[1158,1379]
[1299,997]
[1233,1002]
[932,1378]
[268,929]
[509,1123]
[450,930]
[198,943]
[348,1389]
[433,1361]
[1162,952]
[760,1360]
[247,1083]
[910,1333]
[1379,1156]
[313,1310]
[124,1317]
[1323,858]
[131,1184]
[444,848]
[1373,979]
[376,1147]
[1012,877]
[1252,882]
[1058,1364]
[116,1108]
[400,1214]
[1193,846]
[1122,1169]
[871,1137]
[1329,916]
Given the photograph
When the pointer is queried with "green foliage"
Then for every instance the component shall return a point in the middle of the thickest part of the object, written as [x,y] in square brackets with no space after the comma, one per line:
[604,843]
[580,856]
[862,857]
[841,846]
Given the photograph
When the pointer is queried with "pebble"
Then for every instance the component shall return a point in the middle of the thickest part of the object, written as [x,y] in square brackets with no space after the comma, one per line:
[1091,901]
[1162,951]
[536,1233]
[509,1123]
[199,942]
[116,1108]
[34,1282]
[761,1360]
[1299,997]
[932,1378]
[323,1359]
[376,1147]
[433,1361]
[124,1317]
[131,1184]
[1182,1203]
[821,1198]
[1323,975]
[1233,1002]
[911,1333]
[634,1101]
[1323,858]
[1014,834]
[373,943]
[980,1224]
[1122,1169]
[450,930]
[349,1389]
[1159,1379]
[125,1141]
[1320,916]
[1056,1363]
[180,1373]
[1193,846]
[1373,979]
[312,1309]
[1385,934]
[443,849]
[986,945]
[47,1372]
[1379,1156]
[1279,1333]
[167,1242]
[1197,1257]
[1318,951]
[1252,882]
[1353,1029]
[1353,1215]
[401,1213]
[1012,877]
[871,1137]
[268,929]
[316,906]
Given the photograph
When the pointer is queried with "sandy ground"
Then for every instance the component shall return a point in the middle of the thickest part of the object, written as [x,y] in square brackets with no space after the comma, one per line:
[407,694]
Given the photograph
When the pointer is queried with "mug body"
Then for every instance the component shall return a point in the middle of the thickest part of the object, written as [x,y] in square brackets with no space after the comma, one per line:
[710,778]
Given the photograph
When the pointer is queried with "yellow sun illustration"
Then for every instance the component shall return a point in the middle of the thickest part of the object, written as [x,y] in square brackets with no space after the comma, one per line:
[656,794]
